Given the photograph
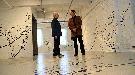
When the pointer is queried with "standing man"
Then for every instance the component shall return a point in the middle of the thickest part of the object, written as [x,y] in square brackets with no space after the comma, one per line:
[74,25]
[56,33]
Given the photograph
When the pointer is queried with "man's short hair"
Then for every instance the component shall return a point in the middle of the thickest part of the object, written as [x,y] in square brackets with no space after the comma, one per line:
[73,11]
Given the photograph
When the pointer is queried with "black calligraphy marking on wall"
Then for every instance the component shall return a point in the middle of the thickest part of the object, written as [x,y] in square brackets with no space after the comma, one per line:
[100,31]
[46,43]
[123,18]
[11,37]
[24,36]
[27,17]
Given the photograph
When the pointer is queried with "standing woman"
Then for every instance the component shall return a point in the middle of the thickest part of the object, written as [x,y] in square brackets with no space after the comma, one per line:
[56,33]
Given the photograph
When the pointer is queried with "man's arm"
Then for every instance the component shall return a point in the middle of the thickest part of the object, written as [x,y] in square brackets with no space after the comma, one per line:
[52,26]
[79,21]
[71,25]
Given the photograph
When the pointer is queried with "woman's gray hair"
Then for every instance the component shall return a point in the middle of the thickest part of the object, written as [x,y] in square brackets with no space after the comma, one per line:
[55,14]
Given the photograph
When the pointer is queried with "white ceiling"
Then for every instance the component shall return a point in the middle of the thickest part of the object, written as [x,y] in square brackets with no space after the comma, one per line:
[3,4]
[61,6]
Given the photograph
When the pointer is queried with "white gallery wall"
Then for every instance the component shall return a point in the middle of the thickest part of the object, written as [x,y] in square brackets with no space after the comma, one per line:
[16,33]
[109,26]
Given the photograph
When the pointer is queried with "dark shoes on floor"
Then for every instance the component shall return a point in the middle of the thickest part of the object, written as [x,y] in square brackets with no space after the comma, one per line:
[59,55]
[54,54]
[77,54]
[83,53]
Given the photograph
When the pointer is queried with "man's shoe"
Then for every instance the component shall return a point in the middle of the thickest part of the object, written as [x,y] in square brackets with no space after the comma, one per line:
[75,54]
[54,54]
[83,53]
[60,55]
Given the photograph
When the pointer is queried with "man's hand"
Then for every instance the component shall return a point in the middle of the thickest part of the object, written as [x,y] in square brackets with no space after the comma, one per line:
[55,37]
[74,29]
